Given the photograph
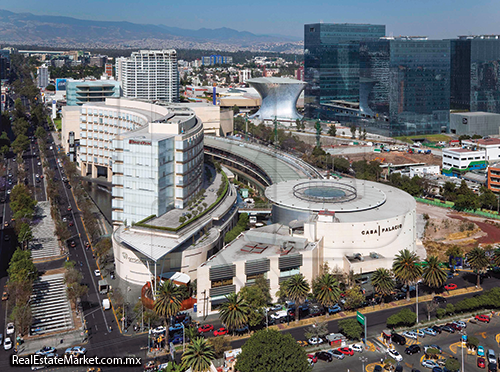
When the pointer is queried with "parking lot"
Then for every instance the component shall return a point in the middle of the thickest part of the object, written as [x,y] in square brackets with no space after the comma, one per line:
[488,335]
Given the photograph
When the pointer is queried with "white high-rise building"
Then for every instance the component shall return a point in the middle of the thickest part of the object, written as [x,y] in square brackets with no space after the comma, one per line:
[244,75]
[42,76]
[150,75]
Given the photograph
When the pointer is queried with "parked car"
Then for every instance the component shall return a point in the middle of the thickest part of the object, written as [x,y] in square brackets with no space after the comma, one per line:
[448,329]
[455,326]
[45,350]
[481,351]
[357,347]
[323,355]
[491,356]
[334,309]
[429,331]
[437,328]
[481,362]
[492,367]
[410,334]
[276,307]
[337,354]
[242,330]
[433,346]
[205,328]
[420,333]
[10,328]
[315,341]
[412,349]
[437,369]
[313,358]
[460,323]
[483,318]
[346,350]
[221,331]
[450,286]
[175,327]
[76,350]
[427,363]
[7,344]
[177,339]
[393,353]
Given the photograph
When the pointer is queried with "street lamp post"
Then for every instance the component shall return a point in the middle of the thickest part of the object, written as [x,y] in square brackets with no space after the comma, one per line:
[363,361]
[267,321]
[183,337]
[463,333]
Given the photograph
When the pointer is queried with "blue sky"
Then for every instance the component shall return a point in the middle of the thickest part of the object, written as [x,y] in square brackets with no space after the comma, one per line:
[433,18]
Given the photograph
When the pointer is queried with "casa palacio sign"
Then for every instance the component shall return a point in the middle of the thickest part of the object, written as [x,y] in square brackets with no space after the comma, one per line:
[381,230]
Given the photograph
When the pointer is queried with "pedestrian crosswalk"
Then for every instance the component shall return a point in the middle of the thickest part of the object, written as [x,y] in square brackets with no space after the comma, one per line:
[50,307]
[44,243]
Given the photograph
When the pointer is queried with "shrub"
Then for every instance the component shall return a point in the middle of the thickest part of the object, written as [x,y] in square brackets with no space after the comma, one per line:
[440,312]
[182,219]
[405,317]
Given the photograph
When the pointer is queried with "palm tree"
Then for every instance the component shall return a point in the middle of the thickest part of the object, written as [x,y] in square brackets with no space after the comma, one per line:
[406,269]
[496,257]
[234,312]
[296,289]
[326,289]
[478,261]
[191,333]
[383,282]
[168,300]
[434,275]
[198,355]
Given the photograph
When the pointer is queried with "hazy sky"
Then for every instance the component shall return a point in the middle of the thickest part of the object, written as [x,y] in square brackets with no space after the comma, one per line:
[433,18]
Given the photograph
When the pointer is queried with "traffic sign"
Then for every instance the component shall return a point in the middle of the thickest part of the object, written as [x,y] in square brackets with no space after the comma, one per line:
[360,318]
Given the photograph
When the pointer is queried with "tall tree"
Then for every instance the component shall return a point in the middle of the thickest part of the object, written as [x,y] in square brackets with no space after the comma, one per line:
[478,261]
[434,275]
[272,351]
[326,289]
[496,257]
[168,300]
[198,355]
[234,312]
[406,269]
[383,281]
[296,289]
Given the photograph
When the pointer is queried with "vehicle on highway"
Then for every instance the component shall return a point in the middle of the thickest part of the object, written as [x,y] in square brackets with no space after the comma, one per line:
[315,341]
[481,362]
[492,358]
[5,296]
[76,350]
[450,286]
[221,331]
[97,272]
[481,351]
[45,350]
[427,363]
[337,354]
[412,349]
[482,318]
[7,344]
[72,244]
[439,300]
[10,328]
[393,353]
[410,334]
[69,208]
[205,328]
[357,347]
[323,355]
[346,350]
[71,224]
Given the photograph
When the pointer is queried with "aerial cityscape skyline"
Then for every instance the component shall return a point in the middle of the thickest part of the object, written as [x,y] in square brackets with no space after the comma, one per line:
[401,19]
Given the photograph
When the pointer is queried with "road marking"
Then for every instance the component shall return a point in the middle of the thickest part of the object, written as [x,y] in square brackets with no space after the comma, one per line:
[371,345]
[96,327]
[483,334]
[370,367]
[497,338]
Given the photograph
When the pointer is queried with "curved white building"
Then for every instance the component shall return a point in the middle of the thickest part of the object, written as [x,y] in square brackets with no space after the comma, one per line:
[363,224]
[279,97]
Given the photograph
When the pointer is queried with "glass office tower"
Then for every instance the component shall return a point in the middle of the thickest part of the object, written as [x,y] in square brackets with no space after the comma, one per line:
[331,61]
[405,85]
[475,77]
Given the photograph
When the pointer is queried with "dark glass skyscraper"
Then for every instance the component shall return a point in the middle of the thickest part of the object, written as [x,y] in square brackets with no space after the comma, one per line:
[331,60]
[405,85]
[475,73]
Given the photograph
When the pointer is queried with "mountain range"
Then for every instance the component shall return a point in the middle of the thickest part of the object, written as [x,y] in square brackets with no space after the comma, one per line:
[30,29]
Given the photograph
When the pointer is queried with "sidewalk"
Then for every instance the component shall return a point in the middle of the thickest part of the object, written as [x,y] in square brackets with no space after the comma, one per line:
[68,339]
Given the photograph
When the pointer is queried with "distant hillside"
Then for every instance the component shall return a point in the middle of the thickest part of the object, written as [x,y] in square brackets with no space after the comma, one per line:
[30,29]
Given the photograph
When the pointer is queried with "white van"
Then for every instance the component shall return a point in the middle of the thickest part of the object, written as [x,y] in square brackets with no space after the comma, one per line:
[105,304]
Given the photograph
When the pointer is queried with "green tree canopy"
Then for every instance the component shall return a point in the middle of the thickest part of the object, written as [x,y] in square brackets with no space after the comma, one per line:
[272,351]
[40,133]
[20,144]
[257,296]
[351,328]
[21,267]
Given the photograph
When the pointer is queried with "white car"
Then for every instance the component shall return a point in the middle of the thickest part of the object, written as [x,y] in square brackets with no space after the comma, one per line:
[410,334]
[7,345]
[10,328]
[97,273]
[427,363]
[315,341]
[394,355]
[159,329]
[460,323]
[357,347]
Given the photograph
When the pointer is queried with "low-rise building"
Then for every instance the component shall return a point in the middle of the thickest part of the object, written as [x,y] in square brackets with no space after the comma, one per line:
[482,123]
[494,177]
[491,146]
[457,162]
[424,170]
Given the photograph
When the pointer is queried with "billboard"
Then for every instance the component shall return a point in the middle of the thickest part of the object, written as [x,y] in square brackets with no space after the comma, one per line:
[60,84]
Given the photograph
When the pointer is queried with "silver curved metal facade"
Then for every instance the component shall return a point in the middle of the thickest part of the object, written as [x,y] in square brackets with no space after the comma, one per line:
[279,97]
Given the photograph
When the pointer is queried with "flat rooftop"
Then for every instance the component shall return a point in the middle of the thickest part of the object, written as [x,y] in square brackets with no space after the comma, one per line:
[150,115]
[484,142]
[460,150]
[263,242]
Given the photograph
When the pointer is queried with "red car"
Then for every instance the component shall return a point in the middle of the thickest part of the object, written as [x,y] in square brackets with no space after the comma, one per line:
[481,363]
[71,224]
[346,350]
[206,328]
[221,331]
[313,357]
[483,318]
[450,287]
